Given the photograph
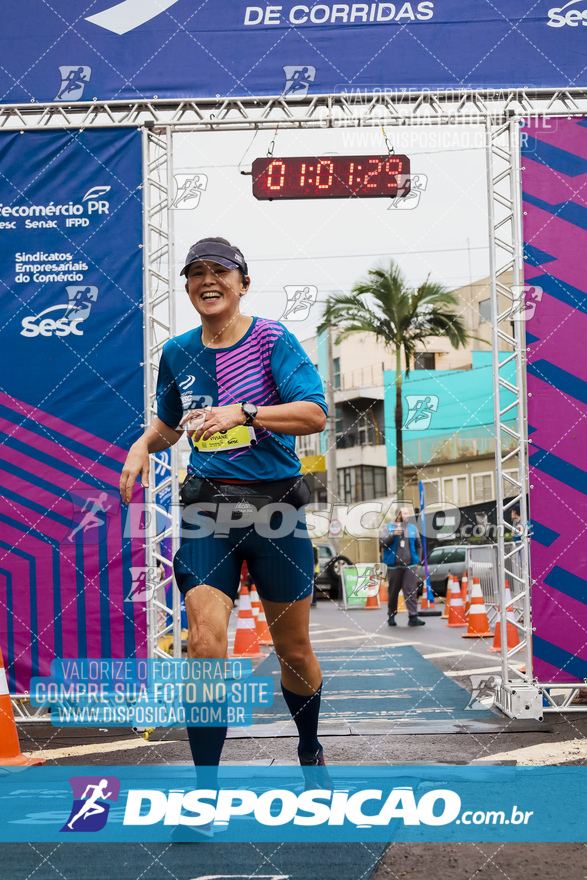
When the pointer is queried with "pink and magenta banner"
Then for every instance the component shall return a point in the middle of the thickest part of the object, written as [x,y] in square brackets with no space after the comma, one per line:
[554,181]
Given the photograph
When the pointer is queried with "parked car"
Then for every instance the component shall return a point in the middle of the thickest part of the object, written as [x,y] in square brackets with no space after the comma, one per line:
[328,579]
[443,561]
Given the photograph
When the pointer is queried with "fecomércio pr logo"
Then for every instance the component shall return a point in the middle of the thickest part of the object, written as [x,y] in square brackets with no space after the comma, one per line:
[91,795]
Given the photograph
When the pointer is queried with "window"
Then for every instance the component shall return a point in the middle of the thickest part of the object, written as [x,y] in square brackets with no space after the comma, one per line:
[483,487]
[431,491]
[366,431]
[484,311]
[436,557]
[425,360]
[454,554]
[336,364]
[361,483]
[368,487]
[456,490]
[380,482]
[308,444]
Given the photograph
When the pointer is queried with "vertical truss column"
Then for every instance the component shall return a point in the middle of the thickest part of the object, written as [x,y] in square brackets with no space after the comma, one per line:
[159,327]
[519,697]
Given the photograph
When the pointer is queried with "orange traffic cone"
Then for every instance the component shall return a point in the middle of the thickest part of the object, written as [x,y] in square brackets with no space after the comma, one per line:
[456,611]
[426,604]
[10,753]
[447,597]
[401,602]
[263,630]
[513,638]
[255,605]
[476,583]
[465,592]
[383,594]
[246,641]
[478,622]
[372,600]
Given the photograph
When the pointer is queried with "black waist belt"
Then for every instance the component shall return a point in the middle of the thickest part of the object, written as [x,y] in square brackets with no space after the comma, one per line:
[294,491]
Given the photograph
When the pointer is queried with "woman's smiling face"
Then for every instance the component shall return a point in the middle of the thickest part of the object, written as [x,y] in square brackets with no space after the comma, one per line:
[214,290]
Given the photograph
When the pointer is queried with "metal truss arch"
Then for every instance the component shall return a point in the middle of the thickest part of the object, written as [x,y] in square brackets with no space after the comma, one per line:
[500,112]
[349,107]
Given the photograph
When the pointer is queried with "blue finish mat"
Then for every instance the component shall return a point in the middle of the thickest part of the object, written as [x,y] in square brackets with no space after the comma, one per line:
[382,689]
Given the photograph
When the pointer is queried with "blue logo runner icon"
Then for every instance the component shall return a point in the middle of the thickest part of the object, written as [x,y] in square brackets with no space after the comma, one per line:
[74,79]
[90,802]
[298,78]
[421,408]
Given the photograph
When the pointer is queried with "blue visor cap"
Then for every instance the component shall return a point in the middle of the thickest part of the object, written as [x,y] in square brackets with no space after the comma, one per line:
[215,252]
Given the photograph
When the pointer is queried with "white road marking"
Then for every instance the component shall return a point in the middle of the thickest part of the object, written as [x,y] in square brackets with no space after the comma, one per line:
[441,654]
[367,637]
[334,629]
[544,753]
[122,745]
[455,673]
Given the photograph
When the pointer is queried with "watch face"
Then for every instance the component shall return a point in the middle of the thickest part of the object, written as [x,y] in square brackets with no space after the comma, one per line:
[250,409]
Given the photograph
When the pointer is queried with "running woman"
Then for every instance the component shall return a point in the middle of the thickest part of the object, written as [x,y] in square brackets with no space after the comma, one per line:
[245,387]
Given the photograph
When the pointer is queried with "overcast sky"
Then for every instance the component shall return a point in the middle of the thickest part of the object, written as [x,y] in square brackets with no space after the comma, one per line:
[332,243]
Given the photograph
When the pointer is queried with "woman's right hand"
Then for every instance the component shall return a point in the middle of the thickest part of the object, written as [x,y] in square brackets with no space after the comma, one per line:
[137,462]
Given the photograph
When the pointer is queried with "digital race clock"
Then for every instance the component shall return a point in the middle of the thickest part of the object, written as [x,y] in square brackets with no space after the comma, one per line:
[331,177]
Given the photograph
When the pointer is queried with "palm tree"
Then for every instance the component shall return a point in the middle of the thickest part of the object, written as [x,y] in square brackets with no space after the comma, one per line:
[399,316]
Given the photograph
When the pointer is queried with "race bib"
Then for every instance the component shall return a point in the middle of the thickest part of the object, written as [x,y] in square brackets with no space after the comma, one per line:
[234,438]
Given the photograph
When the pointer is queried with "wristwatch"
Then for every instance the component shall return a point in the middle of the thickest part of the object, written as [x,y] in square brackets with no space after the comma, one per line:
[250,411]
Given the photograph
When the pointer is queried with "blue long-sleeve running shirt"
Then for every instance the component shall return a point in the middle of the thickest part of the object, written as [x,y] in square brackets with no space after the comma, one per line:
[268,366]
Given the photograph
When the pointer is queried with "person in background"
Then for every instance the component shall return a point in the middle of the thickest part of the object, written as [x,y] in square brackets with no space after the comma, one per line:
[517,527]
[402,552]
[313,603]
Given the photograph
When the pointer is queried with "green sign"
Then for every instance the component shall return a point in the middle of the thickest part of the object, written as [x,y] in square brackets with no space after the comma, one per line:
[361,581]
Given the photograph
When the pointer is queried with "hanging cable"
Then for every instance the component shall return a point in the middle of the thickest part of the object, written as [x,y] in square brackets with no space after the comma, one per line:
[272,144]
[390,148]
[245,153]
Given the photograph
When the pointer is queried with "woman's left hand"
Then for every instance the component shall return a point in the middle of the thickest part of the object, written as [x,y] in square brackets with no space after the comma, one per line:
[212,420]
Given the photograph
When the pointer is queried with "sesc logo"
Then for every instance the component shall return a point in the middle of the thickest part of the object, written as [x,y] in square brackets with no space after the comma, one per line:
[81,298]
[558,17]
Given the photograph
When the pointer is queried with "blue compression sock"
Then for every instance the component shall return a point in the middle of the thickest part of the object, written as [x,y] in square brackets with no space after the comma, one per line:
[206,744]
[305,710]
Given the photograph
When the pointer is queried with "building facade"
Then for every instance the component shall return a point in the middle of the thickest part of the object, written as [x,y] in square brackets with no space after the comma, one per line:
[453,455]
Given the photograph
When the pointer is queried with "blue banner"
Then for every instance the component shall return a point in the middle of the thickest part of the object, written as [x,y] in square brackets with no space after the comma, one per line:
[429,593]
[133,50]
[71,401]
[254,804]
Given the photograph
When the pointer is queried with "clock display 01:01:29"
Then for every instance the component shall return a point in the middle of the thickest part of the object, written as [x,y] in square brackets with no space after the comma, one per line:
[333,177]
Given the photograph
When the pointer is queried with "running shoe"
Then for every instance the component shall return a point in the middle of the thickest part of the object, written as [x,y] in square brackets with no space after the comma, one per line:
[316,776]
[196,833]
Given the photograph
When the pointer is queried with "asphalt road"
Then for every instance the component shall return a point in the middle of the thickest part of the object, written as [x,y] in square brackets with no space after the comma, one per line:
[561,739]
